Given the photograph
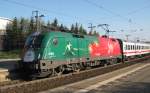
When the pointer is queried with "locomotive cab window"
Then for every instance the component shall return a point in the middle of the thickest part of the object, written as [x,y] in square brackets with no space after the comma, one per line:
[34,41]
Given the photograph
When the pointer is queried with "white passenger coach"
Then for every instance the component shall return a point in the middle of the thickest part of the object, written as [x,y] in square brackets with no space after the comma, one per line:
[135,48]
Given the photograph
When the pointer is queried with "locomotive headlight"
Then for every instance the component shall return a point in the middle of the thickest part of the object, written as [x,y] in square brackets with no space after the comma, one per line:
[29,56]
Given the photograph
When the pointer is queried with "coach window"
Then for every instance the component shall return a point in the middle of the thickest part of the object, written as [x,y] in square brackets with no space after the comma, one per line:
[139,47]
[142,47]
[133,47]
[129,47]
[126,47]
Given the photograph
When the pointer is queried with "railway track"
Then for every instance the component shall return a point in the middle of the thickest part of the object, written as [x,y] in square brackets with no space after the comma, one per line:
[49,83]
[5,83]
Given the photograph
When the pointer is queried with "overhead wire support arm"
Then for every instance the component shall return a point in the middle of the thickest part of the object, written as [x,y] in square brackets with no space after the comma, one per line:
[106,28]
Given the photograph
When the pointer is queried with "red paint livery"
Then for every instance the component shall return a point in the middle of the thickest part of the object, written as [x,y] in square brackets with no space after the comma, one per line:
[105,47]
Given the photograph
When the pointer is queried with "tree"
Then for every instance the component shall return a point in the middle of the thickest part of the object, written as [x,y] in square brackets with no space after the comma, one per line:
[72,28]
[90,33]
[76,28]
[16,33]
[66,29]
[80,29]
[96,33]
[14,25]
[31,25]
[61,28]
[54,25]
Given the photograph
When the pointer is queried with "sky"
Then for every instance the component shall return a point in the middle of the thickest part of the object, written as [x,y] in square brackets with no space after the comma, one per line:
[125,17]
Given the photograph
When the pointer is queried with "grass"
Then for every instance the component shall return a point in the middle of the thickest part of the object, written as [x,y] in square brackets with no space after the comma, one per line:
[9,54]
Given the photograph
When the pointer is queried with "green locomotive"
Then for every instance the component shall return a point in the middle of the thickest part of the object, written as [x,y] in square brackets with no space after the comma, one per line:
[47,53]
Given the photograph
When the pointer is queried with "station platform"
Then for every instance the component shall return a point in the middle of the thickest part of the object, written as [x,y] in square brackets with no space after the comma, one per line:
[7,66]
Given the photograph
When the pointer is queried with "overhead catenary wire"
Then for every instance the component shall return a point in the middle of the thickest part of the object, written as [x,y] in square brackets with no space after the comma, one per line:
[105,9]
[37,8]
[70,16]
[61,14]
[111,12]
[138,10]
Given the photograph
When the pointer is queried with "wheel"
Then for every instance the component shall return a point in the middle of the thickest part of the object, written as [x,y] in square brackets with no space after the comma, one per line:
[76,67]
[59,70]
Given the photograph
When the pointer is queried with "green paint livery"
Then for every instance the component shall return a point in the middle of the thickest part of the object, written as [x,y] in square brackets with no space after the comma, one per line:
[63,46]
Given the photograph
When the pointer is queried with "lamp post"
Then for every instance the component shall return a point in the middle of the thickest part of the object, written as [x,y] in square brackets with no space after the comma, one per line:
[37,17]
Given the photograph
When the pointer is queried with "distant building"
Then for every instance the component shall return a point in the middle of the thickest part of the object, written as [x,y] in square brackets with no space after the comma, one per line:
[3,26]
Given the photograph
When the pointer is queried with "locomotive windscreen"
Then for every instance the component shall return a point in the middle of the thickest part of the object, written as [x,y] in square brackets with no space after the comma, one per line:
[34,41]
